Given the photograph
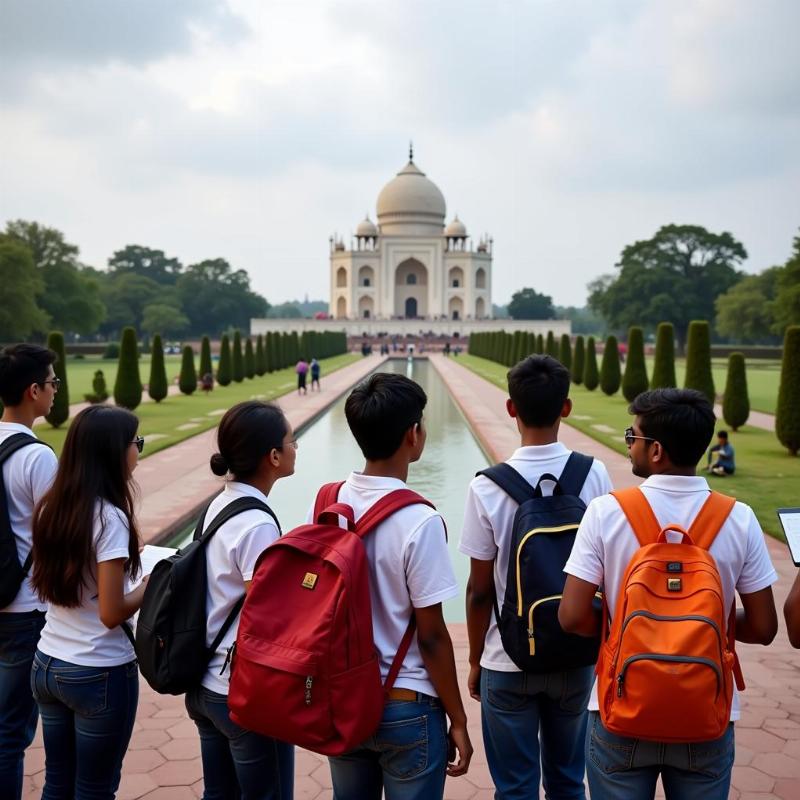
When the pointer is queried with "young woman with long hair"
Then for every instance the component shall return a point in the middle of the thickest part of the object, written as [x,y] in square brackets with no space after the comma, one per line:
[256,448]
[85,549]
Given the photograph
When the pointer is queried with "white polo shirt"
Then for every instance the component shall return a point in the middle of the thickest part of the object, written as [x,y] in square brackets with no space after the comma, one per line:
[231,557]
[409,567]
[27,475]
[605,544]
[489,519]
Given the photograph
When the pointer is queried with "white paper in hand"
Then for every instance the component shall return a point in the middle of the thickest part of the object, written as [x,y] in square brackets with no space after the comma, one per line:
[151,555]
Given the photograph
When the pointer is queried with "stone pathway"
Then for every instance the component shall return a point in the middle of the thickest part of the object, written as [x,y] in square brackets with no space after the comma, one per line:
[757,419]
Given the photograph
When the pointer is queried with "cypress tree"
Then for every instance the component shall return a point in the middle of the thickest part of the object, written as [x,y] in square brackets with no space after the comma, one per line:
[268,362]
[157,385]
[205,358]
[224,375]
[635,381]
[519,347]
[59,413]
[275,339]
[736,401]
[530,344]
[249,359]
[565,351]
[578,361]
[188,377]
[787,414]
[238,357]
[128,385]
[540,344]
[261,366]
[551,348]
[664,366]
[698,359]
[591,377]
[610,377]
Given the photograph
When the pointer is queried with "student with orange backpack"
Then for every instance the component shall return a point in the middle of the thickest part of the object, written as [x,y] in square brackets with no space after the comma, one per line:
[670,554]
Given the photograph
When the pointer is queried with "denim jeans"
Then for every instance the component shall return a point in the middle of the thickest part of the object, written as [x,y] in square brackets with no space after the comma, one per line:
[406,757]
[238,763]
[87,719]
[19,635]
[528,717]
[620,768]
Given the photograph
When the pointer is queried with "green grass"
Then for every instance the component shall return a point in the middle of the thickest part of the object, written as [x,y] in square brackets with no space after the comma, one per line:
[766,476]
[160,423]
[80,373]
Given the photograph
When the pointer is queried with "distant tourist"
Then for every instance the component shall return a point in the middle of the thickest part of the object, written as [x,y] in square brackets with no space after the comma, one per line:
[301,369]
[315,370]
[207,382]
[447,348]
[721,457]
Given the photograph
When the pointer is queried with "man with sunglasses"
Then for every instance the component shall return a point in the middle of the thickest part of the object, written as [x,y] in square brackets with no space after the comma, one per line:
[27,388]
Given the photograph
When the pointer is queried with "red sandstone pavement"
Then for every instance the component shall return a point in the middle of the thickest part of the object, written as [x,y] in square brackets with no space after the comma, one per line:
[163,761]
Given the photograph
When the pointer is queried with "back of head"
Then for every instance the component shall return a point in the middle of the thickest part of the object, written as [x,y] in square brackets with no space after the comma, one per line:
[380,410]
[22,365]
[681,420]
[538,386]
[723,435]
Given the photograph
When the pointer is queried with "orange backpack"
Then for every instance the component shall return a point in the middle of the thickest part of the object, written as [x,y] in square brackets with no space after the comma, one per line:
[666,667]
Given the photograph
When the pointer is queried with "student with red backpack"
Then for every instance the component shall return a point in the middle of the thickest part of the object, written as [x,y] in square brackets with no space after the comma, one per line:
[670,555]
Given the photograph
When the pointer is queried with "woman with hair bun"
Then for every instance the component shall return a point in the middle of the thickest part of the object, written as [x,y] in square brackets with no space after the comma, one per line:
[256,448]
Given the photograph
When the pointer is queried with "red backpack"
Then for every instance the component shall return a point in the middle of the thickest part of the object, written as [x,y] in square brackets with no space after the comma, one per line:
[305,669]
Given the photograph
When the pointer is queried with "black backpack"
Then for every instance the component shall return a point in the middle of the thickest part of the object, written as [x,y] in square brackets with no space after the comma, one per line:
[542,538]
[171,630]
[12,573]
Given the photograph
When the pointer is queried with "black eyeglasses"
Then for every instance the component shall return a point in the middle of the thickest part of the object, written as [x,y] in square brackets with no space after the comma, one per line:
[55,381]
[630,437]
[139,442]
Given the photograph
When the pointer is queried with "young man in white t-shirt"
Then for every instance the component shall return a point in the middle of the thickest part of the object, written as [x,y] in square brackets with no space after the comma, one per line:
[410,573]
[518,709]
[670,433]
[27,388]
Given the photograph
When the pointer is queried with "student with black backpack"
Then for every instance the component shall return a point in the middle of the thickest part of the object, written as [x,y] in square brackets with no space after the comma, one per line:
[27,388]
[532,679]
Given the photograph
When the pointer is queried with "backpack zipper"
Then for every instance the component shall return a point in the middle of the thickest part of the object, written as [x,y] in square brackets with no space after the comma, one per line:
[534,532]
[531,640]
[671,659]
[679,618]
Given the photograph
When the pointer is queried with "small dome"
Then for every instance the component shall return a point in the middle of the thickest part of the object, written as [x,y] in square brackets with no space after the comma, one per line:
[366,227]
[456,229]
[412,196]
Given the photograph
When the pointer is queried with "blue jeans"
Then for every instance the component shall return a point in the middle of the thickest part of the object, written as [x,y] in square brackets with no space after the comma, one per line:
[620,768]
[87,720]
[19,635]
[238,763]
[526,717]
[406,757]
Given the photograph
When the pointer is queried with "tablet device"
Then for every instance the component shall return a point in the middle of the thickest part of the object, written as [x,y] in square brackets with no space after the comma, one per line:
[790,521]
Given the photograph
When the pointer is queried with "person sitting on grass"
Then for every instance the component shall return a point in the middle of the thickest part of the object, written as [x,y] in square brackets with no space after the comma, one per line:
[720,456]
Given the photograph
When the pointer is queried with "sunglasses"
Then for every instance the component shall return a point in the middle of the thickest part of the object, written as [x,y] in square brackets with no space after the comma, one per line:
[139,442]
[630,437]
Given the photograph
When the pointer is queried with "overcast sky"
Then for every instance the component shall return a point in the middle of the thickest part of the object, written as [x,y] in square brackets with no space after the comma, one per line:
[253,129]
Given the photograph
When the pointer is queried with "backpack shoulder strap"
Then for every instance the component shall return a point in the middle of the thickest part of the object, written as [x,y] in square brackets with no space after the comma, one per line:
[233,509]
[510,481]
[575,472]
[639,514]
[327,496]
[710,519]
[16,442]
[386,506]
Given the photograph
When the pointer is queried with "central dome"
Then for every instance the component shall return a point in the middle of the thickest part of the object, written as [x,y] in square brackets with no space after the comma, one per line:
[411,203]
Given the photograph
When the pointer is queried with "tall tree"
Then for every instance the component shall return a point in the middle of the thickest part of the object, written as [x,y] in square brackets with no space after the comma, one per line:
[20,282]
[591,376]
[157,386]
[163,317]
[787,295]
[610,377]
[745,313]
[664,362]
[787,414]
[530,304]
[698,360]
[145,261]
[578,360]
[128,385]
[634,382]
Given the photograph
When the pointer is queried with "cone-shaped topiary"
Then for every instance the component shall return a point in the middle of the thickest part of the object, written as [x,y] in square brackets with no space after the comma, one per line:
[59,413]
[698,359]
[128,385]
[551,348]
[787,414]
[664,365]
[591,376]
[205,358]
[578,360]
[188,377]
[540,344]
[238,357]
[99,393]
[261,365]
[736,401]
[157,386]
[224,376]
[249,359]
[635,380]
[610,376]
[565,351]
[268,353]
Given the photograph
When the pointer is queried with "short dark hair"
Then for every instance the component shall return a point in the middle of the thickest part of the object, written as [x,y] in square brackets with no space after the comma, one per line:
[722,434]
[380,410]
[538,386]
[682,420]
[22,365]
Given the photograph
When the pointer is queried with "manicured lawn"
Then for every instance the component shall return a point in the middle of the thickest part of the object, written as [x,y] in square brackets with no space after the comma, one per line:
[80,373]
[182,416]
[766,476]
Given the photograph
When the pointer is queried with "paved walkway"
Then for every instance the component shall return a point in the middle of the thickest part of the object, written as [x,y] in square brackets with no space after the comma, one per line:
[163,761]
[757,419]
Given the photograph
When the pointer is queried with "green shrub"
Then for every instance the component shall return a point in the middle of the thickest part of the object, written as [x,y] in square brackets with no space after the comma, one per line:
[261,364]
[787,415]
[698,359]
[249,359]
[610,376]
[238,357]
[591,376]
[268,353]
[99,392]
[664,365]
[635,380]
[736,401]
[146,345]
[578,360]
[551,348]
[205,358]
[519,347]
[59,413]
[187,382]
[224,368]
[540,344]
[565,351]
[111,351]
[128,385]
[158,386]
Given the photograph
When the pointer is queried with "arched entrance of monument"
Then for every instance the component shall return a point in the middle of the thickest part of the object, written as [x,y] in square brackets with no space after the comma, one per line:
[455,308]
[411,283]
[341,308]
[341,277]
[480,308]
[366,276]
[366,307]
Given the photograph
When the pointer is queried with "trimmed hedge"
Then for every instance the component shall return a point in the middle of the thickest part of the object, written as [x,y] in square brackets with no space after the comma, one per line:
[128,385]
[698,359]
[664,365]
[578,360]
[249,359]
[188,377]
[591,376]
[551,348]
[565,351]
[238,358]
[157,386]
[610,375]
[736,400]
[224,371]
[206,367]
[635,380]
[787,415]
[261,364]
[99,390]
[540,344]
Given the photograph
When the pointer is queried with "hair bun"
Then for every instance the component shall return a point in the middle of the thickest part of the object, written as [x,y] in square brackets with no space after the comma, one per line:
[219,465]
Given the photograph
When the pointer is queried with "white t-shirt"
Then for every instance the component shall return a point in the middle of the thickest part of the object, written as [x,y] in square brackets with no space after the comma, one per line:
[27,475]
[605,543]
[76,634]
[409,567]
[231,557]
[489,519]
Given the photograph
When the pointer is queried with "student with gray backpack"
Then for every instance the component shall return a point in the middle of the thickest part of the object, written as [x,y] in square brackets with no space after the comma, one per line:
[532,679]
